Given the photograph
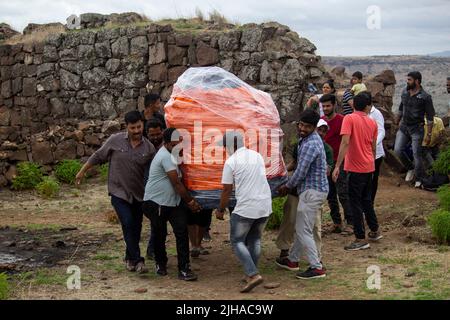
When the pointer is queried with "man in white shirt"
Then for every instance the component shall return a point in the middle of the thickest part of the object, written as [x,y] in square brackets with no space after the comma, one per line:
[376,115]
[245,169]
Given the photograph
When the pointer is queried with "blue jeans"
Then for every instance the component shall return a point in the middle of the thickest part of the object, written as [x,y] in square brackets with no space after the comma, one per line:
[246,240]
[130,216]
[415,136]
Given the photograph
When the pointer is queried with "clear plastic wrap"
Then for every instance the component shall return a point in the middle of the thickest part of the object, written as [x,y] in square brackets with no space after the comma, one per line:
[205,103]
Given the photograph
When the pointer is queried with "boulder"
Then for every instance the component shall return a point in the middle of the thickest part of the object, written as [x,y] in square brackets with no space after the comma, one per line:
[120,48]
[103,49]
[139,46]
[67,149]
[36,27]
[338,71]
[29,87]
[69,81]
[7,32]
[157,53]
[207,56]
[251,38]
[41,152]
[176,55]
[387,77]
[110,126]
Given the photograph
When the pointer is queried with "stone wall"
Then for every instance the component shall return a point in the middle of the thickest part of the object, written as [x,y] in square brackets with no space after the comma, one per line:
[62,98]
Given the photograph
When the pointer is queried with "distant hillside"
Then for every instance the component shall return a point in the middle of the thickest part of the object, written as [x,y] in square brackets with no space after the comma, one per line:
[435,71]
[441,54]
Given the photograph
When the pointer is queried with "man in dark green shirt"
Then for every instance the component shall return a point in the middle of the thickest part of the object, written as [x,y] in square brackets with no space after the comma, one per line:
[322,130]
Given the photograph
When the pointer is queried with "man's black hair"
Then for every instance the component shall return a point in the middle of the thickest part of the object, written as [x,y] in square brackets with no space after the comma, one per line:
[133,117]
[358,74]
[234,137]
[328,97]
[150,99]
[361,101]
[153,123]
[368,96]
[167,134]
[416,75]
[310,116]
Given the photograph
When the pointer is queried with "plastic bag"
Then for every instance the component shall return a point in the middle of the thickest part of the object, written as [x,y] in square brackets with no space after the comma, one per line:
[206,102]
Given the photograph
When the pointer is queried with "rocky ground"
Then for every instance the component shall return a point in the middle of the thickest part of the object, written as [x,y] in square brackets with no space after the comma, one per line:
[40,239]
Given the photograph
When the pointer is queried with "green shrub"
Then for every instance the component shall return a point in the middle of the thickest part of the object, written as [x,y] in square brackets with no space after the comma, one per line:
[104,171]
[28,176]
[439,221]
[48,188]
[443,194]
[277,214]
[442,163]
[67,170]
[4,286]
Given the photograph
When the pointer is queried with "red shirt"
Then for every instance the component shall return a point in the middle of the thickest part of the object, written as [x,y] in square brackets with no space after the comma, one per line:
[363,132]
[333,137]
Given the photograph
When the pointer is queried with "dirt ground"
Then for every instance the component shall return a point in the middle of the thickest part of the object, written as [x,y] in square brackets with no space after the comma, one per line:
[76,229]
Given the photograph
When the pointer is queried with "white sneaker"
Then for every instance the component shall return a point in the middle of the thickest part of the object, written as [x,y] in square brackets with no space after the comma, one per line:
[409,176]
[418,184]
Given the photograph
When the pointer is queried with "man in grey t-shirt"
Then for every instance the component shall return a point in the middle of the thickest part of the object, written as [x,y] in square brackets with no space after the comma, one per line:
[162,202]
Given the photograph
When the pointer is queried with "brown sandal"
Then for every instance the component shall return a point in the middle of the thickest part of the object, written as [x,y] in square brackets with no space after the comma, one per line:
[252,284]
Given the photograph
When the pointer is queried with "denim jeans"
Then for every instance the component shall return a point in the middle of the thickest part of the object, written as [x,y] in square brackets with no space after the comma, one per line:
[430,154]
[360,195]
[415,136]
[246,240]
[177,217]
[130,217]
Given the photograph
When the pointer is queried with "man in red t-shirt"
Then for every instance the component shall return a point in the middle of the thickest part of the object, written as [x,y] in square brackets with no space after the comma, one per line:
[333,138]
[358,147]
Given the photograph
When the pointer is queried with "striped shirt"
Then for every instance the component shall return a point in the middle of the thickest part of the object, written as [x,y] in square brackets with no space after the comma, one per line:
[346,109]
[311,171]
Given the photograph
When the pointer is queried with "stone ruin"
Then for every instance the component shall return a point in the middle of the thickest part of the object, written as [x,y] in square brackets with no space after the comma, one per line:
[61,98]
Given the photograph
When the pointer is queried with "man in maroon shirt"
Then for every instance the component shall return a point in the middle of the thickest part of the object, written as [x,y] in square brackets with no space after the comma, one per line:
[333,138]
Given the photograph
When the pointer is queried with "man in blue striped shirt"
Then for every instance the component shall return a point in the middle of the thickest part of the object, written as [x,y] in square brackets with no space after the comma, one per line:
[310,180]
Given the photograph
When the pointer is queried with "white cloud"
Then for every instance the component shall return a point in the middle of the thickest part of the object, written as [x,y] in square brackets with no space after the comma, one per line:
[337,27]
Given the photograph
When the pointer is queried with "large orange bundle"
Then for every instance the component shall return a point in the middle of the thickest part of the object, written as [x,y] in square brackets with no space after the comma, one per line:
[206,102]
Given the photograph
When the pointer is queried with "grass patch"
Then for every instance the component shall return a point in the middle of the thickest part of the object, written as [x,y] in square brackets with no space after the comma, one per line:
[42,277]
[171,251]
[397,260]
[276,217]
[439,221]
[104,172]
[4,286]
[67,170]
[104,257]
[37,36]
[48,188]
[29,175]
[41,226]
[443,194]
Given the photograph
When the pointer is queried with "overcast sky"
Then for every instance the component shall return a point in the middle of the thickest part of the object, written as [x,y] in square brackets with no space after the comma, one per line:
[336,27]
